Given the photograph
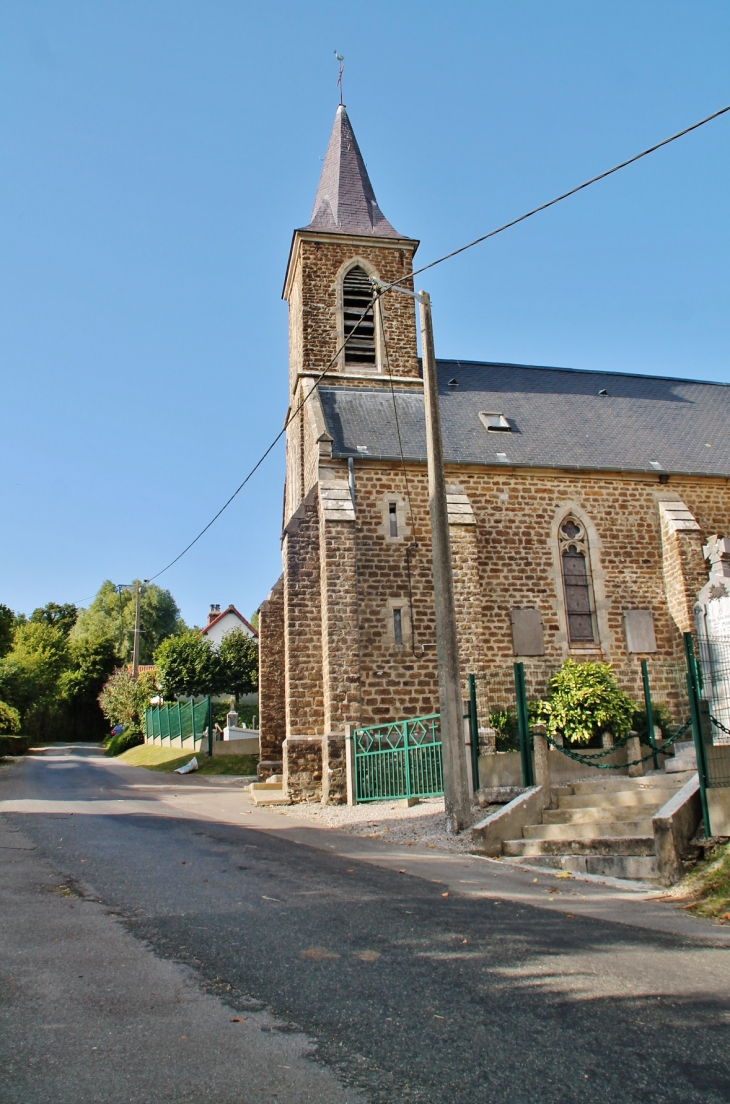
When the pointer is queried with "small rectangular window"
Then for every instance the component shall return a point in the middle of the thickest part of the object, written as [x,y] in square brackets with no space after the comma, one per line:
[397,626]
[393,514]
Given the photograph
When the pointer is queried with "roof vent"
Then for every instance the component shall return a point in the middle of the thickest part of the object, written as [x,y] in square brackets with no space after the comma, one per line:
[603,393]
[453,383]
[655,464]
[502,457]
[494,421]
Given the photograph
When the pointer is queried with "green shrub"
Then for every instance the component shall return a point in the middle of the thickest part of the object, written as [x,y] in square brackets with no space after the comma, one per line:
[124,741]
[9,719]
[584,700]
[662,718]
[13,745]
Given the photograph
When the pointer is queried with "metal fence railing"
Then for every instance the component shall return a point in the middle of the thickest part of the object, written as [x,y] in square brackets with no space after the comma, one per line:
[714,706]
[178,722]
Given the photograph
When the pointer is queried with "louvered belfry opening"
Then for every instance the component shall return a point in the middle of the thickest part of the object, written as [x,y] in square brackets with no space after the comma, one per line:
[357,295]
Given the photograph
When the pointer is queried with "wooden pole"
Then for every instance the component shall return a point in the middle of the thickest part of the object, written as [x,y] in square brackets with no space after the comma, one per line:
[456,780]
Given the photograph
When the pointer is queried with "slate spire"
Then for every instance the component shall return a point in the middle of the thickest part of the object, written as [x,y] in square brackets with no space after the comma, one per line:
[345,202]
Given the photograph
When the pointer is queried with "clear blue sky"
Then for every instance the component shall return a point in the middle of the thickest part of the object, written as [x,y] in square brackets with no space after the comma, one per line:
[156,157]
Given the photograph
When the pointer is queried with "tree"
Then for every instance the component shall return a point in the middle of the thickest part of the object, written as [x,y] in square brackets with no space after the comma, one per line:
[111,617]
[30,672]
[585,700]
[189,665]
[7,628]
[239,655]
[60,617]
[9,720]
[79,715]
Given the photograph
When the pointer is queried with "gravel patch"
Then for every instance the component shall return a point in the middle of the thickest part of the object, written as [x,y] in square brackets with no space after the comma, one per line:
[388,821]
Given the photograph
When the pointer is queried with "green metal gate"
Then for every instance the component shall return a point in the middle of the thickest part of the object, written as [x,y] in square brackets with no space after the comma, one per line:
[398,760]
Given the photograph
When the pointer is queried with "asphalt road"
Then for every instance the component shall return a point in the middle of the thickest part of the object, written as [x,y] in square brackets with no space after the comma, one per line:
[388,986]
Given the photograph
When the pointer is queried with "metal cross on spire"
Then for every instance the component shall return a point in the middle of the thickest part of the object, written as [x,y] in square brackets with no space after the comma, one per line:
[341,64]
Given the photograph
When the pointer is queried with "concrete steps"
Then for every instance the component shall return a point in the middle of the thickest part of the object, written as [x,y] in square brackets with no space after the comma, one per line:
[601,826]
[270,792]
[591,830]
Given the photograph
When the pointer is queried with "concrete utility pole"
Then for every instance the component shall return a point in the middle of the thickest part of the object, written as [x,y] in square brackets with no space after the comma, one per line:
[135,646]
[456,780]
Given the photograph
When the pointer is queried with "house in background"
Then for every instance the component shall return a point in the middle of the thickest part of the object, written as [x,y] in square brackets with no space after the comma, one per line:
[221,624]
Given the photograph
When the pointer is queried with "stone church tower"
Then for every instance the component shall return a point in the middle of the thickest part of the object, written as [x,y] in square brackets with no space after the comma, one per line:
[579,502]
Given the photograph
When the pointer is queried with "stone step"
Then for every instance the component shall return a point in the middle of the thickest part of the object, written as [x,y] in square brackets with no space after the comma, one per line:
[591,830]
[600,815]
[640,868]
[600,845]
[611,785]
[614,799]
[681,766]
[270,792]
[271,795]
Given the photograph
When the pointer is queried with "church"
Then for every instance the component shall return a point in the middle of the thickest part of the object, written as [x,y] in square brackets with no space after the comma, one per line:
[579,504]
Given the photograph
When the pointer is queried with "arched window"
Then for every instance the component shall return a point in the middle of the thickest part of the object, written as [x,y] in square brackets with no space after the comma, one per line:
[359,327]
[577,583]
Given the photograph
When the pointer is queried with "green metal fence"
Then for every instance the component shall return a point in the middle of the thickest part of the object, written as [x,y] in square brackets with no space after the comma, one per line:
[178,722]
[398,760]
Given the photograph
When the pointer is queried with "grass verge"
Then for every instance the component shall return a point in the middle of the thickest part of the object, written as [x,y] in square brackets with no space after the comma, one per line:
[168,759]
[707,887]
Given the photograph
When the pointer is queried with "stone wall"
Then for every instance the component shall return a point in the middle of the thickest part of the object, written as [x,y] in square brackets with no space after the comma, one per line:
[272,712]
[334,776]
[303,622]
[302,779]
[507,561]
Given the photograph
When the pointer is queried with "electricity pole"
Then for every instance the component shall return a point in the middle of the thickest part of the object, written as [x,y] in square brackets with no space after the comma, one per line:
[135,646]
[456,781]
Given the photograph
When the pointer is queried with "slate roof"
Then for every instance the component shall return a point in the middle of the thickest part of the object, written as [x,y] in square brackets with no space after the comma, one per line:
[557,419]
[345,202]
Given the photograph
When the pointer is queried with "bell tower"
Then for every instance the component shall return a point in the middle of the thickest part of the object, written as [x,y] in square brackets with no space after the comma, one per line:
[333,325]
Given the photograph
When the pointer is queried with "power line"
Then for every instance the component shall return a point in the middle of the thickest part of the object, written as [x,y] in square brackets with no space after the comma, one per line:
[432,264]
[558,199]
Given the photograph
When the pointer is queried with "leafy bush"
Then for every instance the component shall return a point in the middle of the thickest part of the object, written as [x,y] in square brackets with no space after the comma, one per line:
[124,700]
[585,700]
[9,719]
[505,724]
[662,719]
[123,742]
[13,745]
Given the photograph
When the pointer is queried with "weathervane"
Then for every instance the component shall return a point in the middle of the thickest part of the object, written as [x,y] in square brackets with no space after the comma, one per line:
[341,63]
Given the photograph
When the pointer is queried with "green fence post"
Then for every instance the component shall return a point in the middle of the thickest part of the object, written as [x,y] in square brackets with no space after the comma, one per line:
[474,731]
[649,712]
[523,725]
[693,688]
[210,727]
[408,758]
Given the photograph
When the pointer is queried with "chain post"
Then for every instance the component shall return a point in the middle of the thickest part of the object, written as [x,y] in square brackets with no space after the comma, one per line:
[693,688]
[649,711]
[523,725]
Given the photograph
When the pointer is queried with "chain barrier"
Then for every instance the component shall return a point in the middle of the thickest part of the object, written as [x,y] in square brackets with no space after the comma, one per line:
[720,725]
[589,760]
